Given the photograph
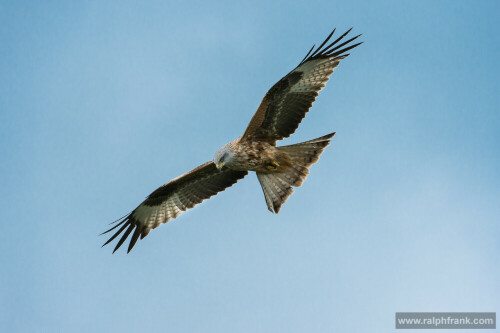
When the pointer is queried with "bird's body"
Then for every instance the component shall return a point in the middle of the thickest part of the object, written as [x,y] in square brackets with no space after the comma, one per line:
[255,156]
[278,169]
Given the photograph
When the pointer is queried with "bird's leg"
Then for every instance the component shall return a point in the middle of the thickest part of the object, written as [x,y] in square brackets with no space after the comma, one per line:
[273,165]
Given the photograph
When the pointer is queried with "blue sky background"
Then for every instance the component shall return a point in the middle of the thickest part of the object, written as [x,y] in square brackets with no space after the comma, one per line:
[103,101]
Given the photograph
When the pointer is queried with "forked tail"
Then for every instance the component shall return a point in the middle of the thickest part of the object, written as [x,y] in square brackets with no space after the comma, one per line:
[277,186]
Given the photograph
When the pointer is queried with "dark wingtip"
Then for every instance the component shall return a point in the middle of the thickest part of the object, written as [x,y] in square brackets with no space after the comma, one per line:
[117,233]
[129,223]
[135,237]
[331,51]
[328,51]
[121,218]
[339,54]
[116,226]
[124,236]
[312,48]
[324,42]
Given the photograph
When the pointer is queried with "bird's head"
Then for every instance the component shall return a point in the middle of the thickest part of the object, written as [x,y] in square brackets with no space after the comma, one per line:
[224,156]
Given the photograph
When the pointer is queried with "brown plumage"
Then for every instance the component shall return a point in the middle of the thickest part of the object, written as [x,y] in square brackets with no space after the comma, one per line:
[278,168]
[277,186]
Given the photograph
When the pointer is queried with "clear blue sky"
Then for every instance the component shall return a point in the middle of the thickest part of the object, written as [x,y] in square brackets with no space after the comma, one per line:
[103,101]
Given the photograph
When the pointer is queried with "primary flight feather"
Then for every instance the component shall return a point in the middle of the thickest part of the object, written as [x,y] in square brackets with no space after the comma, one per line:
[277,168]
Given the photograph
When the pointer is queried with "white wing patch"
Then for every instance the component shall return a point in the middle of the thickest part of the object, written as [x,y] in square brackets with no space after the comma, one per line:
[315,75]
[150,217]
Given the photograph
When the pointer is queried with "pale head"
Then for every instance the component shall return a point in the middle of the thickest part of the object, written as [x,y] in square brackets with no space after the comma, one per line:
[224,156]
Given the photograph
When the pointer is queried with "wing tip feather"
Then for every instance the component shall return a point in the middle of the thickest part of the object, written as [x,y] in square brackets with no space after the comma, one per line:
[131,222]
[327,51]
[128,224]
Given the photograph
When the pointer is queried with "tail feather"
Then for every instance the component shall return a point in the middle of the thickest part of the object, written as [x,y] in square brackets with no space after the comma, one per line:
[277,187]
[276,190]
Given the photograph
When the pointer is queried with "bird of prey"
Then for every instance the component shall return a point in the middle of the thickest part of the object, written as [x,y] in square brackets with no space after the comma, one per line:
[277,168]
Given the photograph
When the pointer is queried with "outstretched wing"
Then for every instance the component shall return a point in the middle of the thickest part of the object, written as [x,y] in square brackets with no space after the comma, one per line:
[287,102]
[171,199]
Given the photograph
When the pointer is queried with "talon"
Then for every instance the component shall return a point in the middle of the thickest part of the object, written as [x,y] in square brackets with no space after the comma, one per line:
[272,166]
